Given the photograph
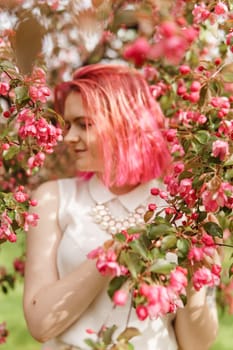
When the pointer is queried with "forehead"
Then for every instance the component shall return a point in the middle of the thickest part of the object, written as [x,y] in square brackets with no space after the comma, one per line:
[74,105]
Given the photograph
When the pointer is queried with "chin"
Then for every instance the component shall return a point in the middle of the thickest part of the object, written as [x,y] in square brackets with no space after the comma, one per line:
[83,167]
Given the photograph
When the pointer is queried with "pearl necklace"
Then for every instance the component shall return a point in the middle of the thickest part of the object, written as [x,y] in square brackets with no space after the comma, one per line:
[107,222]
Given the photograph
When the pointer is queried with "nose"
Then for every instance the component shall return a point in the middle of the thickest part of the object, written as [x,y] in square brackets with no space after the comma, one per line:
[71,136]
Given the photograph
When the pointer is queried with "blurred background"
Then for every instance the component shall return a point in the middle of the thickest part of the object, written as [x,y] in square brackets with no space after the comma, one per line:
[62,35]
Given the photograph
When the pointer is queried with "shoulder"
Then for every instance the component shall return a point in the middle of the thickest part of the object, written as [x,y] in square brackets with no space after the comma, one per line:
[46,190]
[47,197]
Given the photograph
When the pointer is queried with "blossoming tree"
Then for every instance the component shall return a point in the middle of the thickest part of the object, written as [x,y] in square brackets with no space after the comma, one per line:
[184,49]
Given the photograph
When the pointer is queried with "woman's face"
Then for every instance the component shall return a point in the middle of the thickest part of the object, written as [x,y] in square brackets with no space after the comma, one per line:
[81,135]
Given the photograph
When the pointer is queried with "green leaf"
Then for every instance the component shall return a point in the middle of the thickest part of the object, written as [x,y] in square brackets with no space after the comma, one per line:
[116,284]
[197,183]
[90,343]
[230,271]
[21,94]
[185,175]
[202,136]
[162,266]
[229,174]
[156,231]
[183,247]
[168,242]
[229,161]
[129,333]
[20,231]
[6,65]
[203,95]
[11,152]
[4,289]
[107,335]
[213,229]
[186,144]
[202,215]
[120,237]
[227,77]
[132,261]
[138,246]
[135,229]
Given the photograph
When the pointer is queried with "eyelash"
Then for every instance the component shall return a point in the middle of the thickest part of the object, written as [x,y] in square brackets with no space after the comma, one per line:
[82,125]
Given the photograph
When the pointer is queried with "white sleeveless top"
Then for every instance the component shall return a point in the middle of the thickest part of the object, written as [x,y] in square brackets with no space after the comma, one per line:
[80,236]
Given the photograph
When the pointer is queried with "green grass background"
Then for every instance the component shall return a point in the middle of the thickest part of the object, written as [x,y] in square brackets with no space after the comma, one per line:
[19,338]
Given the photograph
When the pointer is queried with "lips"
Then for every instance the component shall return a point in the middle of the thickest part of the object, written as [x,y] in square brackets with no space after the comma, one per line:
[79,150]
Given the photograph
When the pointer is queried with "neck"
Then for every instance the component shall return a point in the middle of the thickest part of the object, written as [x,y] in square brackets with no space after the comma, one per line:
[122,190]
[119,190]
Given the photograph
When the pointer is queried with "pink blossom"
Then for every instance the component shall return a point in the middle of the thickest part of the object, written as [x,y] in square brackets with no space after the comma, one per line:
[25,115]
[207,240]
[172,184]
[150,73]
[155,191]
[178,167]
[3,333]
[229,38]
[220,149]
[20,196]
[196,254]
[144,289]
[30,219]
[142,312]
[220,8]
[172,41]
[205,277]
[120,297]
[185,187]
[163,195]
[111,268]
[4,88]
[221,101]
[195,86]
[209,251]
[200,13]
[95,253]
[171,135]
[158,301]
[90,331]
[19,266]
[12,237]
[137,51]
[216,270]
[184,69]
[212,201]
[36,161]
[107,263]
[226,128]
[178,280]
[152,206]
[176,148]
[39,93]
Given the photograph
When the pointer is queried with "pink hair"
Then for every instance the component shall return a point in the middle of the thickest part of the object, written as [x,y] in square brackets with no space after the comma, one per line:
[127,118]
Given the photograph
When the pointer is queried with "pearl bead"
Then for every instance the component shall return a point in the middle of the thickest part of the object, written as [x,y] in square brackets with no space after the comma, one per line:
[104,225]
[98,219]
[107,222]
[113,230]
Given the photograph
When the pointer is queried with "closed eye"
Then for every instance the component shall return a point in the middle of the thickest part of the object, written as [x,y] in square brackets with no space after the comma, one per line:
[83,123]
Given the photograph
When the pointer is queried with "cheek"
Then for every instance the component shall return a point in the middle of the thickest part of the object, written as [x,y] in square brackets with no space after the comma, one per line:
[96,151]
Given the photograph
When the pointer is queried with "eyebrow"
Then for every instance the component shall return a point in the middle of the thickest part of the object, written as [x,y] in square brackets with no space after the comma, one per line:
[77,116]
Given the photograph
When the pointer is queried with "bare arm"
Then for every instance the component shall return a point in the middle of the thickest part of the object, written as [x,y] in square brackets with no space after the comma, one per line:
[51,304]
[196,325]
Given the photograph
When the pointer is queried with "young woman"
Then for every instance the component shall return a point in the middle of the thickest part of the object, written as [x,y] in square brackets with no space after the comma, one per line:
[113,128]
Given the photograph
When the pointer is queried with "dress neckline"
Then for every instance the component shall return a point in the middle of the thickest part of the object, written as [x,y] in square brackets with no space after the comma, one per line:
[130,200]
